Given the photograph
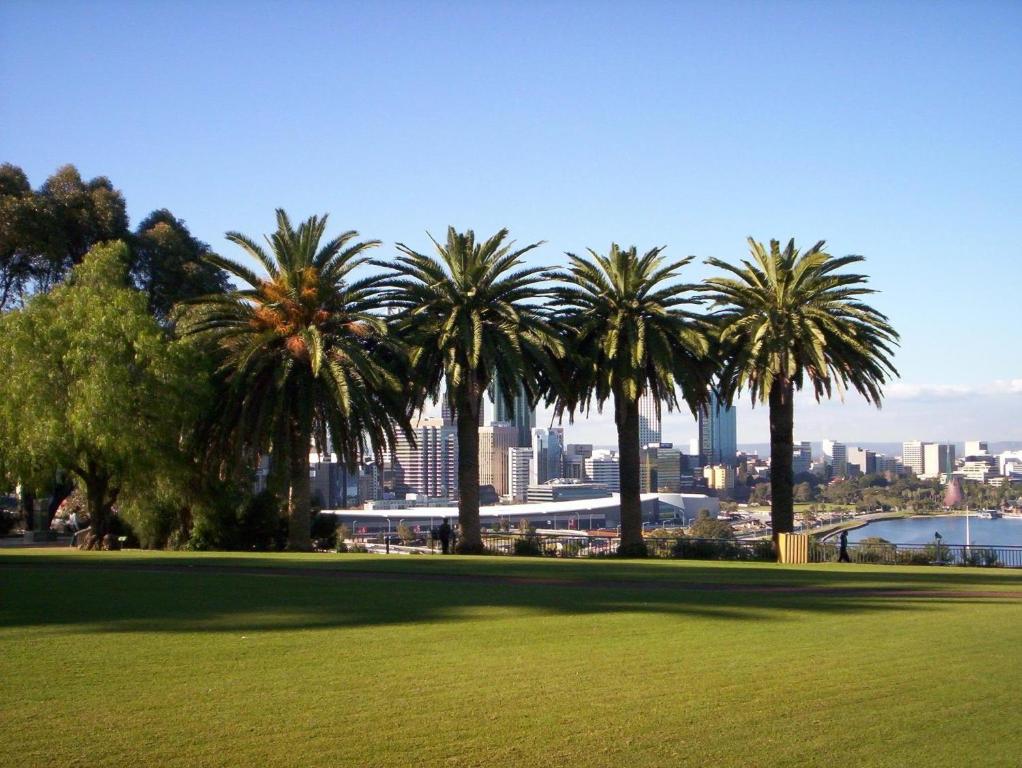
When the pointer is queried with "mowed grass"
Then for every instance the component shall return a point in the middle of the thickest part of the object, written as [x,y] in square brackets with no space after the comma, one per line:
[376,661]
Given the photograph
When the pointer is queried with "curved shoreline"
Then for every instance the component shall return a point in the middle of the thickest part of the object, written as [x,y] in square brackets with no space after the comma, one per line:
[853,525]
[902,516]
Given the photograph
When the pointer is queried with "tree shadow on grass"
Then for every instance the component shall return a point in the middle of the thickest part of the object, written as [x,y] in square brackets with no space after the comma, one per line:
[232,595]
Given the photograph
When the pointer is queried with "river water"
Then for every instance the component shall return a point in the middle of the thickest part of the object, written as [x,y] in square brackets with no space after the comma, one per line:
[919,530]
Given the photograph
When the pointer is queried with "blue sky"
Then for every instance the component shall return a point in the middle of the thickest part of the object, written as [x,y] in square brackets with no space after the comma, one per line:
[889,129]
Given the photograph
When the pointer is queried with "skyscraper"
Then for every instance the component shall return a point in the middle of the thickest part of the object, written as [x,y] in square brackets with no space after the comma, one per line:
[976,447]
[573,464]
[547,451]
[938,459]
[861,460]
[836,455]
[802,458]
[603,467]
[430,467]
[519,460]
[718,433]
[521,414]
[912,456]
[649,421]
[494,442]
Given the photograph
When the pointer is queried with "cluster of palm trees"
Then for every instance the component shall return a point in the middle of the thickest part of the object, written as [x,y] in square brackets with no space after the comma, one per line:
[311,347]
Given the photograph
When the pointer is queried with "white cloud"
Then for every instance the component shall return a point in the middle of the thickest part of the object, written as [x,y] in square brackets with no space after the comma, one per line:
[905,391]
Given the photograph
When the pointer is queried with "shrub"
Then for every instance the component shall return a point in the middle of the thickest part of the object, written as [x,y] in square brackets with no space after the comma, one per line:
[938,553]
[573,547]
[985,558]
[120,528]
[690,548]
[874,550]
[255,524]
[7,521]
[324,531]
[762,551]
[822,551]
[913,557]
[528,547]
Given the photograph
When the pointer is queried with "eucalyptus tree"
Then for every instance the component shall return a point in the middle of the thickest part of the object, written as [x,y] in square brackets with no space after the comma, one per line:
[169,265]
[470,316]
[787,320]
[631,330]
[92,386]
[305,353]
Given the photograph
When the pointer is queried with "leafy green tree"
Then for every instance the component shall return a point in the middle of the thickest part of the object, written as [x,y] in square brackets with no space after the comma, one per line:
[170,265]
[789,319]
[45,233]
[760,493]
[406,534]
[706,527]
[24,229]
[305,353]
[92,385]
[804,492]
[630,330]
[470,317]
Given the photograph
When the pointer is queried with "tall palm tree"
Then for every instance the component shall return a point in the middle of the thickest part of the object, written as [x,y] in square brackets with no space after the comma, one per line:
[787,319]
[304,353]
[631,330]
[468,317]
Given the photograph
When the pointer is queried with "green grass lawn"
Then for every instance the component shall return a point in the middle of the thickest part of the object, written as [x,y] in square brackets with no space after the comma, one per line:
[375,661]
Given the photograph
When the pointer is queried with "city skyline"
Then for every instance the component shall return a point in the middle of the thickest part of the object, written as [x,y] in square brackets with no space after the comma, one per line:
[885,135]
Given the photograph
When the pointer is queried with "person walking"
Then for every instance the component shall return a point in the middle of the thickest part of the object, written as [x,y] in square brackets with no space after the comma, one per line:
[444,534]
[843,551]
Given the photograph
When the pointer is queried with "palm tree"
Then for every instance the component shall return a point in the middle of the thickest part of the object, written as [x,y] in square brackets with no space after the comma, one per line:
[787,319]
[631,331]
[470,317]
[304,353]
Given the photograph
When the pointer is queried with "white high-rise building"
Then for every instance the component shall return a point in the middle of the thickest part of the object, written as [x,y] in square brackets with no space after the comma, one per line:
[938,459]
[976,447]
[836,455]
[603,467]
[519,461]
[429,468]
[1010,464]
[912,456]
[649,421]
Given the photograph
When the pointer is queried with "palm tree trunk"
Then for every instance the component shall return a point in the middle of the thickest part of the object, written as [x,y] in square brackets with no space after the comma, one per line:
[627,418]
[470,540]
[782,425]
[299,529]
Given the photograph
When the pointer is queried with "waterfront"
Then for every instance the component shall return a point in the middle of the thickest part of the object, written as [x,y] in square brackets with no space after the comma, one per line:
[920,530]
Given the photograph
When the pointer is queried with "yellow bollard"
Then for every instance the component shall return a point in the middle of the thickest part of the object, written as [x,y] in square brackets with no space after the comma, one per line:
[793,547]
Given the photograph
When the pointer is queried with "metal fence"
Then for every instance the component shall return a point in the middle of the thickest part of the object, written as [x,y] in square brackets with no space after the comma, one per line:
[582,544]
[585,545]
[937,553]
